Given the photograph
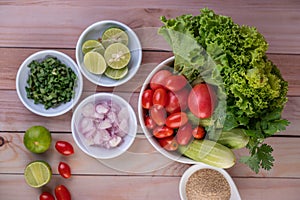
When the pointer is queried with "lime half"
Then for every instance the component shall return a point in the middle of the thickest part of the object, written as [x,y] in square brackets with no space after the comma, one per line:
[116,73]
[37,174]
[92,45]
[37,139]
[114,35]
[117,55]
[94,62]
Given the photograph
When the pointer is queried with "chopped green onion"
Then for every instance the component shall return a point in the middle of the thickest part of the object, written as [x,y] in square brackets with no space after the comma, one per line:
[50,82]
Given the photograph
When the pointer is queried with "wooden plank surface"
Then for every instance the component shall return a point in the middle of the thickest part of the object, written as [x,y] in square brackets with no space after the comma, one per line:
[142,159]
[14,111]
[137,187]
[27,26]
[62,23]
[10,63]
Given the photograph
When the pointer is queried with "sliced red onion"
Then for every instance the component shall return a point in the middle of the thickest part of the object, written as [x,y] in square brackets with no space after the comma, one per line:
[86,124]
[115,141]
[104,124]
[102,108]
[88,110]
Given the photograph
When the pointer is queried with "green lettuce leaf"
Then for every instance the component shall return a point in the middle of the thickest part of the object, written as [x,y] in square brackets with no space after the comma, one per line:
[251,91]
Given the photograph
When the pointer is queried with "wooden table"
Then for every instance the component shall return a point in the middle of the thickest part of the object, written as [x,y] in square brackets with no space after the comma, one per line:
[27,26]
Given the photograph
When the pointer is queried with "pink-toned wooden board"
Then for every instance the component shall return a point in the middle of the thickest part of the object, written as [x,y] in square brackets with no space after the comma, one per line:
[27,26]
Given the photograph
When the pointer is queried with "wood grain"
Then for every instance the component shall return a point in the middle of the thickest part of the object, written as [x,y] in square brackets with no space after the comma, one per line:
[10,63]
[141,159]
[62,23]
[141,187]
[27,26]
[14,110]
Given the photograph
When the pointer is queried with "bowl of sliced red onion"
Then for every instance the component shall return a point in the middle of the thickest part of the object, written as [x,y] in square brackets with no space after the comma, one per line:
[104,125]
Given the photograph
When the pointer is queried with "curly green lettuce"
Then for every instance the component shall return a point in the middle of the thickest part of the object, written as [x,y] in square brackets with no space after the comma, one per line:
[233,58]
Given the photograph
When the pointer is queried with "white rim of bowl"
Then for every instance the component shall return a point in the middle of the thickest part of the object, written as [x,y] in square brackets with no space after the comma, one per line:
[79,76]
[235,195]
[117,82]
[94,96]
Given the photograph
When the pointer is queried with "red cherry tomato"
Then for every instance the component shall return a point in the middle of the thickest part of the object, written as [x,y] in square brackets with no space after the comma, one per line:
[149,122]
[64,170]
[159,79]
[46,196]
[201,100]
[64,148]
[162,132]
[176,120]
[147,99]
[184,134]
[168,143]
[177,101]
[198,132]
[176,82]
[62,193]
[160,97]
[158,114]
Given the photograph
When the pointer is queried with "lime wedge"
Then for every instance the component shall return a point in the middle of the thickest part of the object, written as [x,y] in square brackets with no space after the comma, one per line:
[92,45]
[116,73]
[37,174]
[117,55]
[114,35]
[94,62]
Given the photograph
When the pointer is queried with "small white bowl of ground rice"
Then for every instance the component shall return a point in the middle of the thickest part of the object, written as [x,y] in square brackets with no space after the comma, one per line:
[203,182]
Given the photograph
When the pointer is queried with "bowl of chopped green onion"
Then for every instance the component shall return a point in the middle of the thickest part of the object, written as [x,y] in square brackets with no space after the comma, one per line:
[49,83]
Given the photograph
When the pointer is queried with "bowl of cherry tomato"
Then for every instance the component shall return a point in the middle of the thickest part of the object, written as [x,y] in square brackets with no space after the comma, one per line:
[167,107]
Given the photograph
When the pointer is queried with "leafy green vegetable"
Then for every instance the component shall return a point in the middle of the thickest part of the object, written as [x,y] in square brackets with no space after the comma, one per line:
[251,91]
[50,82]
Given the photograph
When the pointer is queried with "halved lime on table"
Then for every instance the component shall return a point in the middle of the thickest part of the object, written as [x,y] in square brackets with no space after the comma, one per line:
[37,174]
[37,139]
[116,73]
[114,35]
[92,45]
[94,62]
[117,55]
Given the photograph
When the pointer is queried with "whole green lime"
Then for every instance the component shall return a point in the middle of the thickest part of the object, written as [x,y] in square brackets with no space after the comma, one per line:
[37,139]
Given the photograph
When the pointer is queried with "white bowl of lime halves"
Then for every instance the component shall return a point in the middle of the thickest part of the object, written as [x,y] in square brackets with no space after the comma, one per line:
[95,32]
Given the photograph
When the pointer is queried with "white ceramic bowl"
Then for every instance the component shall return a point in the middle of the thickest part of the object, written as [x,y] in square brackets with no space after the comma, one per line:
[182,191]
[97,151]
[21,82]
[169,154]
[94,32]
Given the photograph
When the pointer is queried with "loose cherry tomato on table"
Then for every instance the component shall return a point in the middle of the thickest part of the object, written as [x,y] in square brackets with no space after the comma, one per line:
[64,148]
[176,120]
[62,193]
[184,134]
[159,79]
[149,122]
[198,132]
[46,196]
[160,97]
[64,170]
[168,143]
[147,99]
[201,100]
[158,114]
[162,131]
[176,82]
[177,101]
